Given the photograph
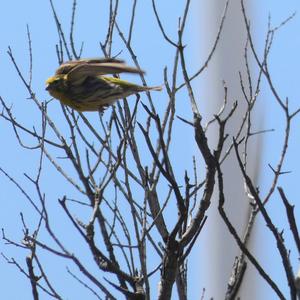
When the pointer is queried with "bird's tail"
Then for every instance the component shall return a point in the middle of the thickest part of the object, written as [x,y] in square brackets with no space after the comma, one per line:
[129,85]
[152,88]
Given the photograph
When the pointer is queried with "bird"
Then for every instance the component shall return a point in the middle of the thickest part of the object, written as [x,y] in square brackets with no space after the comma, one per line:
[83,85]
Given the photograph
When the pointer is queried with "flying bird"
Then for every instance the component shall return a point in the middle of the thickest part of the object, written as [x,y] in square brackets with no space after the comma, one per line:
[83,84]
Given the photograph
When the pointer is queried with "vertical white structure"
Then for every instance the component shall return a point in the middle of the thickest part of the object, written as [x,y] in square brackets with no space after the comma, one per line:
[217,246]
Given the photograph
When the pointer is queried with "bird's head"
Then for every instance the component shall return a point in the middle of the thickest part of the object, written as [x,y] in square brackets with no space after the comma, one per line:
[56,83]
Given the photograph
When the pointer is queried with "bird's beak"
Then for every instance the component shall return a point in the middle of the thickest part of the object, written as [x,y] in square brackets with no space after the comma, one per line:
[47,87]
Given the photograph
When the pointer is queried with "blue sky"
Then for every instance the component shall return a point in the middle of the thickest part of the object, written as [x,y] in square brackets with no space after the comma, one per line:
[153,54]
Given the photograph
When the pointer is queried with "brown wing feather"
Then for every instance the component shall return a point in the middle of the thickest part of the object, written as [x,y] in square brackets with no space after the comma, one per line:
[67,66]
[104,66]
[80,72]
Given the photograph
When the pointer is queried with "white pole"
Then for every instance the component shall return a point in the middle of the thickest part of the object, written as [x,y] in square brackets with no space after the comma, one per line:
[217,246]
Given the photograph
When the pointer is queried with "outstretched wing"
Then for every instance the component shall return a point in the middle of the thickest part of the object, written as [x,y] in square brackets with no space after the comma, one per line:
[79,70]
[67,66]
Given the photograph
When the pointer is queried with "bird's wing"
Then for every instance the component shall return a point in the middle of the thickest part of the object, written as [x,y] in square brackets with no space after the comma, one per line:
[67,66]
[79,70]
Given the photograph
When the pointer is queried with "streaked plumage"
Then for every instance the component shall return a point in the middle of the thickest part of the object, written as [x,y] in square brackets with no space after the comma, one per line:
[81,85]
